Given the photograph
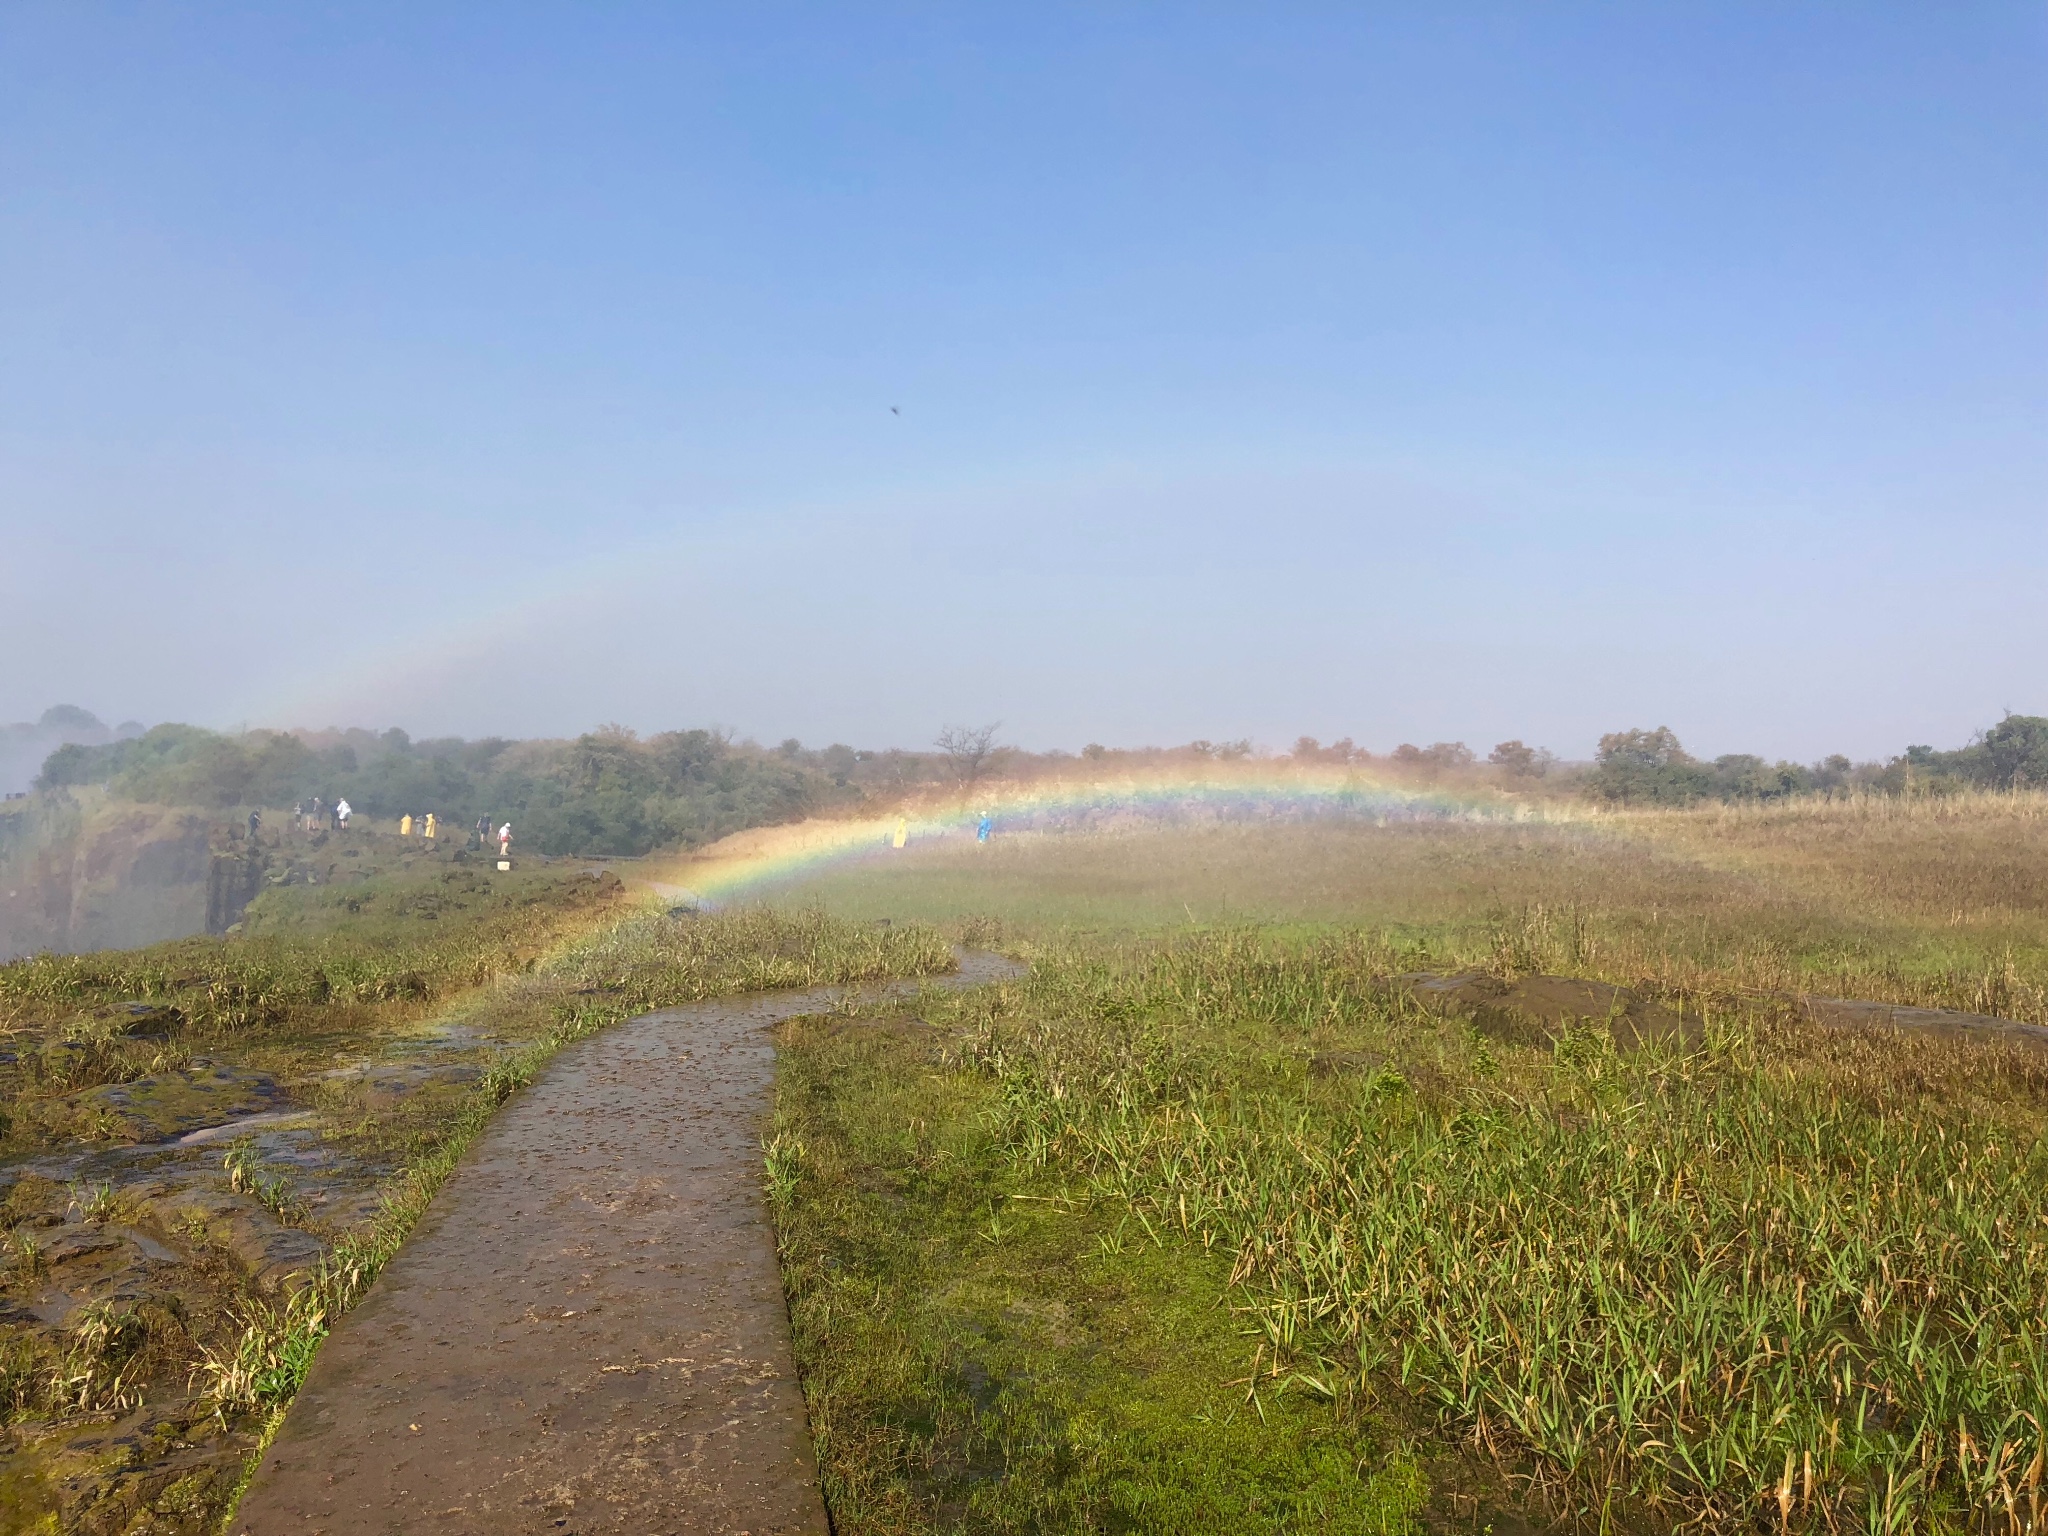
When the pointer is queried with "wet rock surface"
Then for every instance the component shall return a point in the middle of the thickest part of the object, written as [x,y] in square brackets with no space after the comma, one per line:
[271,1254]
[141,1226]
[166,1105]
[157,1468]
[587,1332]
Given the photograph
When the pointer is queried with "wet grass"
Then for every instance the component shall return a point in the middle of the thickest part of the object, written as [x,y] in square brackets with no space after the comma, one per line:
[982,1353]
[1788,1276]
[1796,1275]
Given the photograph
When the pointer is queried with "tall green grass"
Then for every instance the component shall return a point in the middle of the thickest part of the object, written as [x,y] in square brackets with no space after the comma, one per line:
[980,1356]
[1794,1276]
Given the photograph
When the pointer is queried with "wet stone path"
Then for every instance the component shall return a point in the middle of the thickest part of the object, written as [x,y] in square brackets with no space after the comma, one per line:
[586,1333]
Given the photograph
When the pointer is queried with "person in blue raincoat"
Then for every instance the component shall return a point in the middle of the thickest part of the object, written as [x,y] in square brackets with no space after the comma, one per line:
[987,826]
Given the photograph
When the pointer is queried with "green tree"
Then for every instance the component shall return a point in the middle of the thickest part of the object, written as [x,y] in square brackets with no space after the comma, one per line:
[2013,754]
[1744,776]
[1648,767]
[606,792]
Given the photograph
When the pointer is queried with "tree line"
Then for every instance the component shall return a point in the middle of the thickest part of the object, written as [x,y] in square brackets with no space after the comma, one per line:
[1652,767]
[613,792]
[605,792]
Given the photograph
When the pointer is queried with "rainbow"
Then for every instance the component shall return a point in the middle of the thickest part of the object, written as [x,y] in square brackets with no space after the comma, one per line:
[1246,790]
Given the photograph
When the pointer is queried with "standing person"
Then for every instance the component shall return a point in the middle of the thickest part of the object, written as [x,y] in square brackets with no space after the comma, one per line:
[505,841]
[432,827]
[342,811]
[483,833]
[987,825]
[405,826]
[902,831]
[315,814]
[255,823]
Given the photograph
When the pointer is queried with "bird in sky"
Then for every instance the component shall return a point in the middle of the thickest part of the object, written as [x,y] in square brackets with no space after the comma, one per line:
[894,412]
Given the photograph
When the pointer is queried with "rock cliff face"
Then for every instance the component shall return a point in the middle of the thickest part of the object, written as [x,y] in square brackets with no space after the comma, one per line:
[81,871]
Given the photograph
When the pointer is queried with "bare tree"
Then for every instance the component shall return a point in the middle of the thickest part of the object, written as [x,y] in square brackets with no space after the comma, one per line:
[970,751]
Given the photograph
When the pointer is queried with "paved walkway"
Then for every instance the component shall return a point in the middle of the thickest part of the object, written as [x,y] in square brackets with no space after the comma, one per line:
[587,1332]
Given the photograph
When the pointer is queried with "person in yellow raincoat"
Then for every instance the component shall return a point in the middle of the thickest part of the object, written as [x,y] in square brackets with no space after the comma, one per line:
[902,831]
[430,823]
[405,826]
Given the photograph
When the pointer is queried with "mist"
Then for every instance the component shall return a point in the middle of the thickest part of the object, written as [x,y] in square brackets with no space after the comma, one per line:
[27,744]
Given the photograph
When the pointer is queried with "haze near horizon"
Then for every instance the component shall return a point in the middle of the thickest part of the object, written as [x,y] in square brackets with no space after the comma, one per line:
[1141,376]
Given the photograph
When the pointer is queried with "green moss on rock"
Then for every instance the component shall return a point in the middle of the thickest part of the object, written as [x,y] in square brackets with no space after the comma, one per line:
[165,1105]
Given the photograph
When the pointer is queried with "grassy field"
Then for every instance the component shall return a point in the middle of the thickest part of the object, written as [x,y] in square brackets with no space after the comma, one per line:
[1936,902]
[161,1298]
[1205,1225]
[1208,1225]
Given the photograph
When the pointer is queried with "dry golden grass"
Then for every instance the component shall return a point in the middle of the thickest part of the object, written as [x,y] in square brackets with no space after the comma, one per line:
[1979,859]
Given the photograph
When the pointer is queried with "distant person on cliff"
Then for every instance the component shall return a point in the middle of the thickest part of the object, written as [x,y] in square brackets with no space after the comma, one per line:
[405,826]
[342,812]
[483,833]
[433,826]
[987,826]
[255,824]
[505,841]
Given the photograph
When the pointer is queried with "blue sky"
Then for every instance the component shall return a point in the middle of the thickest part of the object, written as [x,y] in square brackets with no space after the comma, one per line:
[1407,372]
